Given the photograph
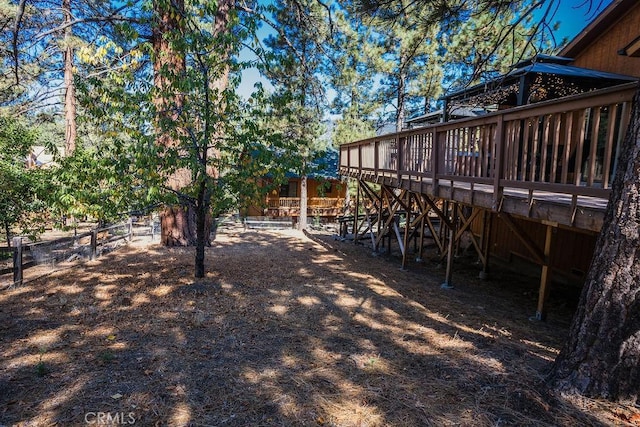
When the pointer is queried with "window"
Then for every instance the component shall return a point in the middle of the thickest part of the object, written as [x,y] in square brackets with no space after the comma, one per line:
[289,189]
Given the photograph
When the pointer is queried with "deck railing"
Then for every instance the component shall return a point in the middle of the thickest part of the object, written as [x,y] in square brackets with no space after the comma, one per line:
[313,203]
[569,145]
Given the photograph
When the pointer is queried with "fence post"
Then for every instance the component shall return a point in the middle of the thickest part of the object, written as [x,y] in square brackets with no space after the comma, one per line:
[17,261]
[130,232]
[94,243]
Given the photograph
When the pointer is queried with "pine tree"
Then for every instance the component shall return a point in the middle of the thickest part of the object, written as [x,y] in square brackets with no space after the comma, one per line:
[294,66]
[409,61]
[351,72]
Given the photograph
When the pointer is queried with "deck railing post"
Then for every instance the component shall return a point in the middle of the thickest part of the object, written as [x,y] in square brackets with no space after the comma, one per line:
[376,157]
[498,164]
[439,140]
[17,261]
[400,156]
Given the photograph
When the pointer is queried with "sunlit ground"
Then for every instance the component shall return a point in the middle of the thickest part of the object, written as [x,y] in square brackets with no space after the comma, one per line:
[284,330]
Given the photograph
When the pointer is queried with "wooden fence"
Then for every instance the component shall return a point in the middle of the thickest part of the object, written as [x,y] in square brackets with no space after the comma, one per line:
[98,237]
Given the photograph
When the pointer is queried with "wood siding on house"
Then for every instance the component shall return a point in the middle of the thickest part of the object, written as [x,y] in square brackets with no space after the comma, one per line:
[324,201]
[598,49]
[570,255]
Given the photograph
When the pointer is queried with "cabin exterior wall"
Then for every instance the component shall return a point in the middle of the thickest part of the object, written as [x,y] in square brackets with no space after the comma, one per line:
[325,199]
[571,252]
[602,53]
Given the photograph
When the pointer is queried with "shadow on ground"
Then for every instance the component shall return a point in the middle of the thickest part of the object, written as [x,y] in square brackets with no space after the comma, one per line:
[284,330]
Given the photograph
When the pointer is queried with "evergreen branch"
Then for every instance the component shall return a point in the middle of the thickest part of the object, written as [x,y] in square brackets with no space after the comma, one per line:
[16,31]
[96,19]
[509,30]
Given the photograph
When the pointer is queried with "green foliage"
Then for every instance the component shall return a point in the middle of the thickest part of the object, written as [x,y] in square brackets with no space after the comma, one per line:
[295,63]
[23,195]
[351,128]
[352,68]
[97,182]
[490,42]
[412,51]
[376,56]
[219,146]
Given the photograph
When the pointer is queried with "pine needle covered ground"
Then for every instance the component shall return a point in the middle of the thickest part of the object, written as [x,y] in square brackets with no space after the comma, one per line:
[285,330]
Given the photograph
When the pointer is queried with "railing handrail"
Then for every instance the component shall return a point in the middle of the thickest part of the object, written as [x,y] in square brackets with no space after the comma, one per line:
[568,144]
[311,201]
[625,90]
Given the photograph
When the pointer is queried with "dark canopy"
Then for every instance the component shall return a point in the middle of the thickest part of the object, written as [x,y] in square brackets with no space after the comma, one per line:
[540,78]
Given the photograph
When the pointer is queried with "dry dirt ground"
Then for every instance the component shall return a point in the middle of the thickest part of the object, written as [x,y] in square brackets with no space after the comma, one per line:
[286,330]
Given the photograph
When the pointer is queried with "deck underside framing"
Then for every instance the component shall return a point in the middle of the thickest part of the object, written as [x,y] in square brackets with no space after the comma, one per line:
[399,210]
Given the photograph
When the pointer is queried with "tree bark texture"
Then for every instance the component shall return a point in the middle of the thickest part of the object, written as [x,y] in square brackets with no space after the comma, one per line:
[602,355]
[168,64]
[175,220]
[303,222]
[177,223]
[70,129]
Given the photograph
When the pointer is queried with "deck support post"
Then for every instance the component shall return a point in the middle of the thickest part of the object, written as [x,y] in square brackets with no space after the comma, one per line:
[379,224]
[355,214]
[486,244]
[441,232]
[545,276]
[407,228]
[421,246]
[450,249]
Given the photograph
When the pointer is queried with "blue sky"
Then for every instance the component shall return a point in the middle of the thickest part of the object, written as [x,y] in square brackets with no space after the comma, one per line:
[574,15]
[571,15]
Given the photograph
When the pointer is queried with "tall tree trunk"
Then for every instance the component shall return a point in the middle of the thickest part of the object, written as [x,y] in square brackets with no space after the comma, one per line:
[70,129]
[303,222]
[177,223]
[402,94]
[602,355]
[204,221]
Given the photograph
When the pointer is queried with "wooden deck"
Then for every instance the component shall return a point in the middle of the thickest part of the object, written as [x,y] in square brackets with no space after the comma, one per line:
[329,207]
[551,162]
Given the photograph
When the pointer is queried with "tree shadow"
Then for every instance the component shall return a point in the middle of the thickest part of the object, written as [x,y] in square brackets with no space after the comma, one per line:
[284,330]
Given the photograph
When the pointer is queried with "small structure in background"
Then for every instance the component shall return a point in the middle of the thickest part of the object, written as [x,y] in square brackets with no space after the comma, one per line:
[537,79]
[39,158]
[325,195]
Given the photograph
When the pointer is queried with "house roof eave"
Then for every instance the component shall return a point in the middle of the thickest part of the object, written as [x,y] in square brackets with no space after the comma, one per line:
[597,27]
